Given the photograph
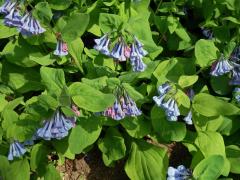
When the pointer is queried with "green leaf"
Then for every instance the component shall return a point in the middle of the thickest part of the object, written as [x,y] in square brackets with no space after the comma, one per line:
[233,155]
[208,105]
[5,31]
[135,95]
[19,79]
[84,134]
[76,25]
[112,145]
[209,168]
[19,169]
[169,131]
[42,60]
[52,173]
[110,22]
[4,166]
[205,52]
[53,79]
[39,157]
[75,48]
[186,81]
[146,161]
[137,127]
[89,98]
[18,52]
[220,84]
[59,5]
[43,11]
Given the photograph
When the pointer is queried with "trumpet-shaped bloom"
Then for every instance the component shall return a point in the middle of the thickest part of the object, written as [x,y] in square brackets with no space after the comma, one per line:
[168,105]
[235,56]
[124,106]
[171,109]
[220,67]
[13,19]
[136,55]
[102,45]
[188,118]
[57,127]
[236,94]
[16,150]
[179,173]
[7,7]
[207,33]
[235,77]
[30,26]
[118,51]
[61,49]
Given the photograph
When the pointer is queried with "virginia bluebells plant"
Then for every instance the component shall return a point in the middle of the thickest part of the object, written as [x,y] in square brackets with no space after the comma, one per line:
[169,104]
[235,76]
[56,127]
[179,173]
[221,66]
[16,150]
[207,33]
[235,56]
[30,26]
[121,51]
[137,53]
[102,45]
[7,7]
[123,106]
[236,94]
[61,49]
[188,118]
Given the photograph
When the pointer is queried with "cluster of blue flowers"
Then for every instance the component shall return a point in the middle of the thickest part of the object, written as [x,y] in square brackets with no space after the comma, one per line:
[56,127]
[188,118]
[207,33]
[26,24]
[225,65]
[123,106]
[236,94]
[179,173]
[169,104]
[61,49]
[121,51]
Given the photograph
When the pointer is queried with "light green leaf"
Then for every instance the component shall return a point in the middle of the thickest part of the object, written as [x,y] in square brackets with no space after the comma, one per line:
[205,52]
[233,155]
[52,173]
[209,105]
[89,98]
[76,25]
[146,161]
[19,169]
[84,134]
[186,81]
[209,168]
[112,145]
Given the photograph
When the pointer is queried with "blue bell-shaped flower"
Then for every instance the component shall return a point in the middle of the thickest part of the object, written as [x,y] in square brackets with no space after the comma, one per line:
[16,150]
[102,45]
[179,173]
[220,67]
[7,7]
[13,19]
[61,49]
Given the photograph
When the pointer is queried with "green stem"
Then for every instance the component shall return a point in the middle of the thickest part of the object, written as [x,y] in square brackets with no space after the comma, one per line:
[158,6]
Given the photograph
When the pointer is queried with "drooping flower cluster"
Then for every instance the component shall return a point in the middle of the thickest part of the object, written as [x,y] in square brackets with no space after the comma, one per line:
[207,33]
[27,25]
[236,94]
[169,104]
[16,150]
[123,106]
[179,173]
[188,118]
[121,51]
[221,67]
[61,49]
[56,127]
[235,56]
